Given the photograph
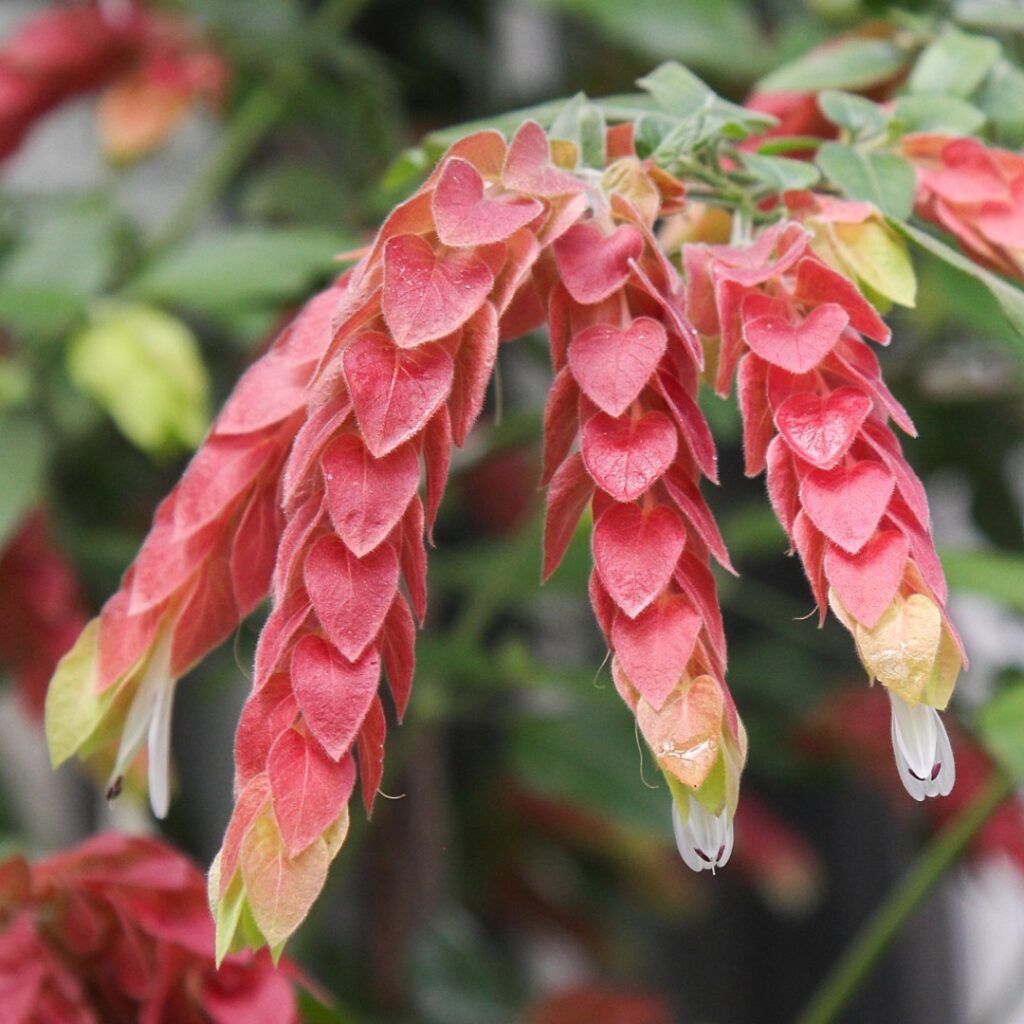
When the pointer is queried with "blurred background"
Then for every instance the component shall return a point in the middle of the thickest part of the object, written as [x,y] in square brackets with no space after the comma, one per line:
[152,239]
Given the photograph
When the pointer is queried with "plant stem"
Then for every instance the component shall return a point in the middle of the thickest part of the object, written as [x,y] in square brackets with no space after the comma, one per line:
[885,924]
[261,111]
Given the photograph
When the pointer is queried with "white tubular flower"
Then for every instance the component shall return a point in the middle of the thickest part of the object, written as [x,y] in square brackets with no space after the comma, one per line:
[149,721]
[704,840]
[924,757]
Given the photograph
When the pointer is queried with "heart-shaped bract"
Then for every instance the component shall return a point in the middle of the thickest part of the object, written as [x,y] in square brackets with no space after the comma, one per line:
[593,265]
[350,595]
[626,456]
[900,649]
[847,502]
[821,429]
[635,553]
[653,648]
[797,347]
[867,582]
[309,789]
[428,295]
[333,693]
[366,497]
[528,166]
[612,364]
[684,734]
[464,216]
[394,392]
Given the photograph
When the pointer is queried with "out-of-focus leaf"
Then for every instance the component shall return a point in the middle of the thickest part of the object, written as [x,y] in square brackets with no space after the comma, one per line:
[590,758]
[780,172]
[242,266]
[1001,97]
[15,384]
[1000,723]
[1009,296]
[859,116]
[458,979]
[995,574]
[69,246]
[954,64]
[991,15]
[852,64]
[312,1011]
[23,458]
[705,33]
[885,179]
[143,367]
[39,310]
[936,113]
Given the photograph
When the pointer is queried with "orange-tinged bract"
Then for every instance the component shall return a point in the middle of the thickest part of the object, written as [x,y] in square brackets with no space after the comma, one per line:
[321,479]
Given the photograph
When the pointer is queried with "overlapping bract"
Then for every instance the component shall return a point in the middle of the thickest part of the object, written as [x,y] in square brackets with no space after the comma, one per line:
[118,930]
[974,191]
[815,413]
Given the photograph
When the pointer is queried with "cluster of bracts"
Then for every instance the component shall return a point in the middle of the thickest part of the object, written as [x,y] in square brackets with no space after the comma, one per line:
[320,481]
[117,931]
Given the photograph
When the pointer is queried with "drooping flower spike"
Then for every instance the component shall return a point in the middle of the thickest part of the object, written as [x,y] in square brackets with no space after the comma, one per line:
[322,477]
[815,413]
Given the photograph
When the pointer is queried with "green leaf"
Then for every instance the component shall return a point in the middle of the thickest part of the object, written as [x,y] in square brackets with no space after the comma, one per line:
[860,117]
[238,267]
[51,253]
[73,707]
[885,179]
[679,92]
[1009,296]
[581,122]
[781,173]
[996,574]
[40,310]
[936,113]
[705,33]
[852,64]
[991,15]
[955,64]
[1000,723]
[23,458]
[1001,97]
[143,367]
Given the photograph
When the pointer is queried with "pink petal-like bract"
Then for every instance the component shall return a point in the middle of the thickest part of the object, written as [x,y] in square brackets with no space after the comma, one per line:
[846,503]
[612,365]
[428,295]
[797,347]
[394,392]
[465,217]
[820,429]
[626,456]
[333,693]
[635,553]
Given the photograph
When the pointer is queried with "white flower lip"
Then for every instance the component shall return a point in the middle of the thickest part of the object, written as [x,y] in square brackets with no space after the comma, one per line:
[924,757]
[704,840]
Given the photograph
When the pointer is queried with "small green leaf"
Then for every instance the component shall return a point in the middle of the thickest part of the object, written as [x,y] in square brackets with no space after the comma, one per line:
[1009,296]
[997,574]
[238,267]
[1001,97]
[581,122]
[885,179]
[860,117]
[1000,723]
[936,113]
[143,367]
[781,173]
[991,15]
[955,64]
[23,458]
[852,64]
